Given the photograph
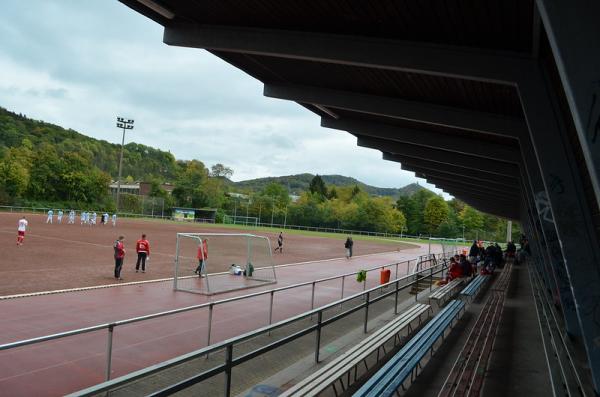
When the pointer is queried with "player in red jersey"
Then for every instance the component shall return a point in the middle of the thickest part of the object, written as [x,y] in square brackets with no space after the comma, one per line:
[21,229]
[142,247]
[119,248]
[202,257]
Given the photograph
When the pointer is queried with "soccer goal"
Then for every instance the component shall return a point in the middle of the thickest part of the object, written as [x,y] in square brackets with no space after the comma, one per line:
[240,220]
[233,261]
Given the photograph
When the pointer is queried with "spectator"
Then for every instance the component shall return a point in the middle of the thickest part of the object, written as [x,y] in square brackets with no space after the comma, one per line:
[455,271]
[474,251]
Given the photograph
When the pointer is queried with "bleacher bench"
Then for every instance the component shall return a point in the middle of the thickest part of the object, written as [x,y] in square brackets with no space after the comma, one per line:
[403,364]
[326,376]
[445,292]
[474,286]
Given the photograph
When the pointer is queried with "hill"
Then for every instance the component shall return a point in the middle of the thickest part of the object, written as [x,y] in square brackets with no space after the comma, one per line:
[139,161]
[142,162]
[299,183]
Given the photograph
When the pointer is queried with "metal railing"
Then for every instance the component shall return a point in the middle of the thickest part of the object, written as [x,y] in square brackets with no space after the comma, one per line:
[423,260]
[366,297]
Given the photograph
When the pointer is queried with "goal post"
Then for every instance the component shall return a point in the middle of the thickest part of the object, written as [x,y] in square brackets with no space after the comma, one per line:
[233,261]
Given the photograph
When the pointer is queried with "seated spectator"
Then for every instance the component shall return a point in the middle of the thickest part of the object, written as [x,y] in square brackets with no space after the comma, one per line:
[455,271]
[466,266]
[511,249]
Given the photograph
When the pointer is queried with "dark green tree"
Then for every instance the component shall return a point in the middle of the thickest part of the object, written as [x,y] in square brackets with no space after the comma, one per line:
[317,186]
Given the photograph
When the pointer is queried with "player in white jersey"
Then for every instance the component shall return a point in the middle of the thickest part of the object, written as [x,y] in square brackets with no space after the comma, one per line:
[105,218]
[50,215]
[94,218]
[71,217]
[21,229]
[83,217]
[114,220]
[59,216]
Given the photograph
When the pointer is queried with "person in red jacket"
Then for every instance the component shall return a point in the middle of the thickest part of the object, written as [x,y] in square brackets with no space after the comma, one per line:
[455,271]
[142,247]
[119,248]
[202,257]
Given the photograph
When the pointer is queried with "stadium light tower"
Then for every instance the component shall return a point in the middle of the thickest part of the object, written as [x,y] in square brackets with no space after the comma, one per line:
[125,125]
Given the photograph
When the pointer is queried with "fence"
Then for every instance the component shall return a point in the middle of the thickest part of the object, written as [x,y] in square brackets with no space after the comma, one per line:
[426,263]
[366,298]
[156,215]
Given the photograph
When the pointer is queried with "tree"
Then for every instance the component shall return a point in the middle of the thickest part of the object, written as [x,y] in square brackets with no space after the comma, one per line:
[189,184]
[435,212]
[220,171]
[14,177]
[472,219]
[317,186]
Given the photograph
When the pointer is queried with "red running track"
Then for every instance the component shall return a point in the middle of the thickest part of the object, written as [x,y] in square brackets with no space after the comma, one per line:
[65,365]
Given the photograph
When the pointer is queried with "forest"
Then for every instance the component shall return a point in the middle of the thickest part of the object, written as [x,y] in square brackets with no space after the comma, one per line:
[47,165]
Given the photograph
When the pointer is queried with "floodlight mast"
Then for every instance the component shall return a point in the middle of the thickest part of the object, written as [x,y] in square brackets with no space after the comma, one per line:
[125,125]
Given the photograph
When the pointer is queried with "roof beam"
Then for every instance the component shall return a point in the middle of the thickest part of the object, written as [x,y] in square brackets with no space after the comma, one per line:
[458,62]
[435,140]
[441,156]
[469,183]
[484,206]
[464,119]
[483,176]
[478,191]
[491,182]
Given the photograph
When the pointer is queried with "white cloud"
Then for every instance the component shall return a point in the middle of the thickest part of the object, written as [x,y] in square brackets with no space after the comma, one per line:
[80,64]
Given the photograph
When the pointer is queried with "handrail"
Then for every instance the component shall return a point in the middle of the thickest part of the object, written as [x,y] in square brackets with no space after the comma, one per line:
[98,327]
[229,343]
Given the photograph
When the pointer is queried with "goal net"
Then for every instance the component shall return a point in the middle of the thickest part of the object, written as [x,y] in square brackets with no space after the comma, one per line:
[233,261]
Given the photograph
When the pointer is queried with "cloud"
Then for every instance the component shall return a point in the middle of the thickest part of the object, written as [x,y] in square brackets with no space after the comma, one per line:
[80,64]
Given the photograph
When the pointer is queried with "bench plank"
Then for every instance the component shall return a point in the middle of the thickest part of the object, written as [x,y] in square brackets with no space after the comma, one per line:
[386,381]
[327,375]
[474,285]
[444,290]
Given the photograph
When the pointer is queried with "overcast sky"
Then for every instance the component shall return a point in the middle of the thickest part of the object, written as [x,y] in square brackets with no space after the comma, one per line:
[79,64]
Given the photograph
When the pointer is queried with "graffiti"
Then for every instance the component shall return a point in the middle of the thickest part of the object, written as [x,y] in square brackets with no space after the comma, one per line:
[542,204]
[593,124]
[556,184]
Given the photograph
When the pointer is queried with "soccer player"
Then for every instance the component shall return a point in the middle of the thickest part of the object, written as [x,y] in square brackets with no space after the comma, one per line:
[202,257]
[59,216]
[50,215]
[21,229]
[83,217]
[279,243]
[71,217]
[142,247]
[114,220]
[94,217]
[105,218]
[119,248]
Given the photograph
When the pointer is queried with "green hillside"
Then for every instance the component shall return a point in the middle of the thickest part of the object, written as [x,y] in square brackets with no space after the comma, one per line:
[296,184]
[139,161]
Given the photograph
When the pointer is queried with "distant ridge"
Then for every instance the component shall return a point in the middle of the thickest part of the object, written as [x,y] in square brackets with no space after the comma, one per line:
[298,183]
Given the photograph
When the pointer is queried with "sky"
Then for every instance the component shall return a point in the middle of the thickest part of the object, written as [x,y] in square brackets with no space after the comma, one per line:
[80,64]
